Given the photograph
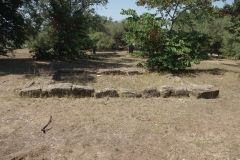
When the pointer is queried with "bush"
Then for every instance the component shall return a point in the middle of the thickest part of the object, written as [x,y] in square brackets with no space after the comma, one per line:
[176,50]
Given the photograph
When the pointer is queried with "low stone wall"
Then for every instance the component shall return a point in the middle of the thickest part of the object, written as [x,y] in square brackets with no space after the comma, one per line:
[77,91]
[116,71]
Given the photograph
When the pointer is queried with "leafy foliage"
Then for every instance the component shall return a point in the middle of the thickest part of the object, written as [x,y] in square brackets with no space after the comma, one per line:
[165,48]
[176,11]
[12,33]
[222,28]
[234,11]
[66,23]
[230,44]
[109,36]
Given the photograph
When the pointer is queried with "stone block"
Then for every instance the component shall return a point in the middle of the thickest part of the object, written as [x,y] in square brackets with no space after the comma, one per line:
[107,92]
[203,91]
[82,91]
[59,89]
[33,92]
[129,93]
[150,92]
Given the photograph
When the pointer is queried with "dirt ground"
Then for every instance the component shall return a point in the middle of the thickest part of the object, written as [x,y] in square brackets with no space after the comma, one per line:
[119,128]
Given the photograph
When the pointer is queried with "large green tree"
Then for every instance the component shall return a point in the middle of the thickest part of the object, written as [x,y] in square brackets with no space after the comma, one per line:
[65,27]
[12,32]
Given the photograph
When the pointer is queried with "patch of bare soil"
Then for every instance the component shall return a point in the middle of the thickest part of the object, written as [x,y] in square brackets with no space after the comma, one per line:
[119,128]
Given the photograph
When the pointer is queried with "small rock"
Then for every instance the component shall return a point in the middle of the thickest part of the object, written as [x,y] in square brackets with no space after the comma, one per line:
[129,93]
[59,89]
[107,92]
[150,92]
[166,91]
[33,92]
[82,91]
[180,92]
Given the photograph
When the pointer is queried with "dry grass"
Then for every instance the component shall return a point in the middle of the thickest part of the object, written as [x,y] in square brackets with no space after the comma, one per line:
[120,128]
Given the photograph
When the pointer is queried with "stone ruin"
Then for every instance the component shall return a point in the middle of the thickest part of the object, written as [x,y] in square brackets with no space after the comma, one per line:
[77,91]
[123,71]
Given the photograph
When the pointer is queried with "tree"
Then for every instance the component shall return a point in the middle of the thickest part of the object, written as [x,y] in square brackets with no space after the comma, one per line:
[231,42]
[66,24]
[214,26]
[12,33]
[176,11]
[109,34]
[234,11]
[165,47]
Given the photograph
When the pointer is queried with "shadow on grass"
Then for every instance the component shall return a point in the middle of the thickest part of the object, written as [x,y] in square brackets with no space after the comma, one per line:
[80,78]
[195,72]
[100,56]
[31,66]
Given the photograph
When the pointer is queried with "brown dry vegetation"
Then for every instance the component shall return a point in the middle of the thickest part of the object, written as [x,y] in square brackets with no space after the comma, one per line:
[119,128]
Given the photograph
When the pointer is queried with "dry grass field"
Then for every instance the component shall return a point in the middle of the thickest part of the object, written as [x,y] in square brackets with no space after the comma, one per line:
[119,128]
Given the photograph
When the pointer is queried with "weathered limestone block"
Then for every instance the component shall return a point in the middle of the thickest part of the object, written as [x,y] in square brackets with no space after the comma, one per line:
[82,91]
[203,91]
[166,91]
[129,93]
[107,92]
[59,89]
[150,92]
[33,92]
[180,92]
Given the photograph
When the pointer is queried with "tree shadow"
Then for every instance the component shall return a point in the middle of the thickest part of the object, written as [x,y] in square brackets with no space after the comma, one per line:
[27,66]
[196,72]
[108,55]
[19,66]
[126,60]
[78,78]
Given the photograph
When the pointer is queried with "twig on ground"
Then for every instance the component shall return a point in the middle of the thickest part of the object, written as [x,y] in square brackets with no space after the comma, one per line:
[44,128]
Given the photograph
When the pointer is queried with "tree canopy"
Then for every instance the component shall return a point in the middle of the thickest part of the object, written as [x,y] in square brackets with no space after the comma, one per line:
[64,24]
[12,32]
